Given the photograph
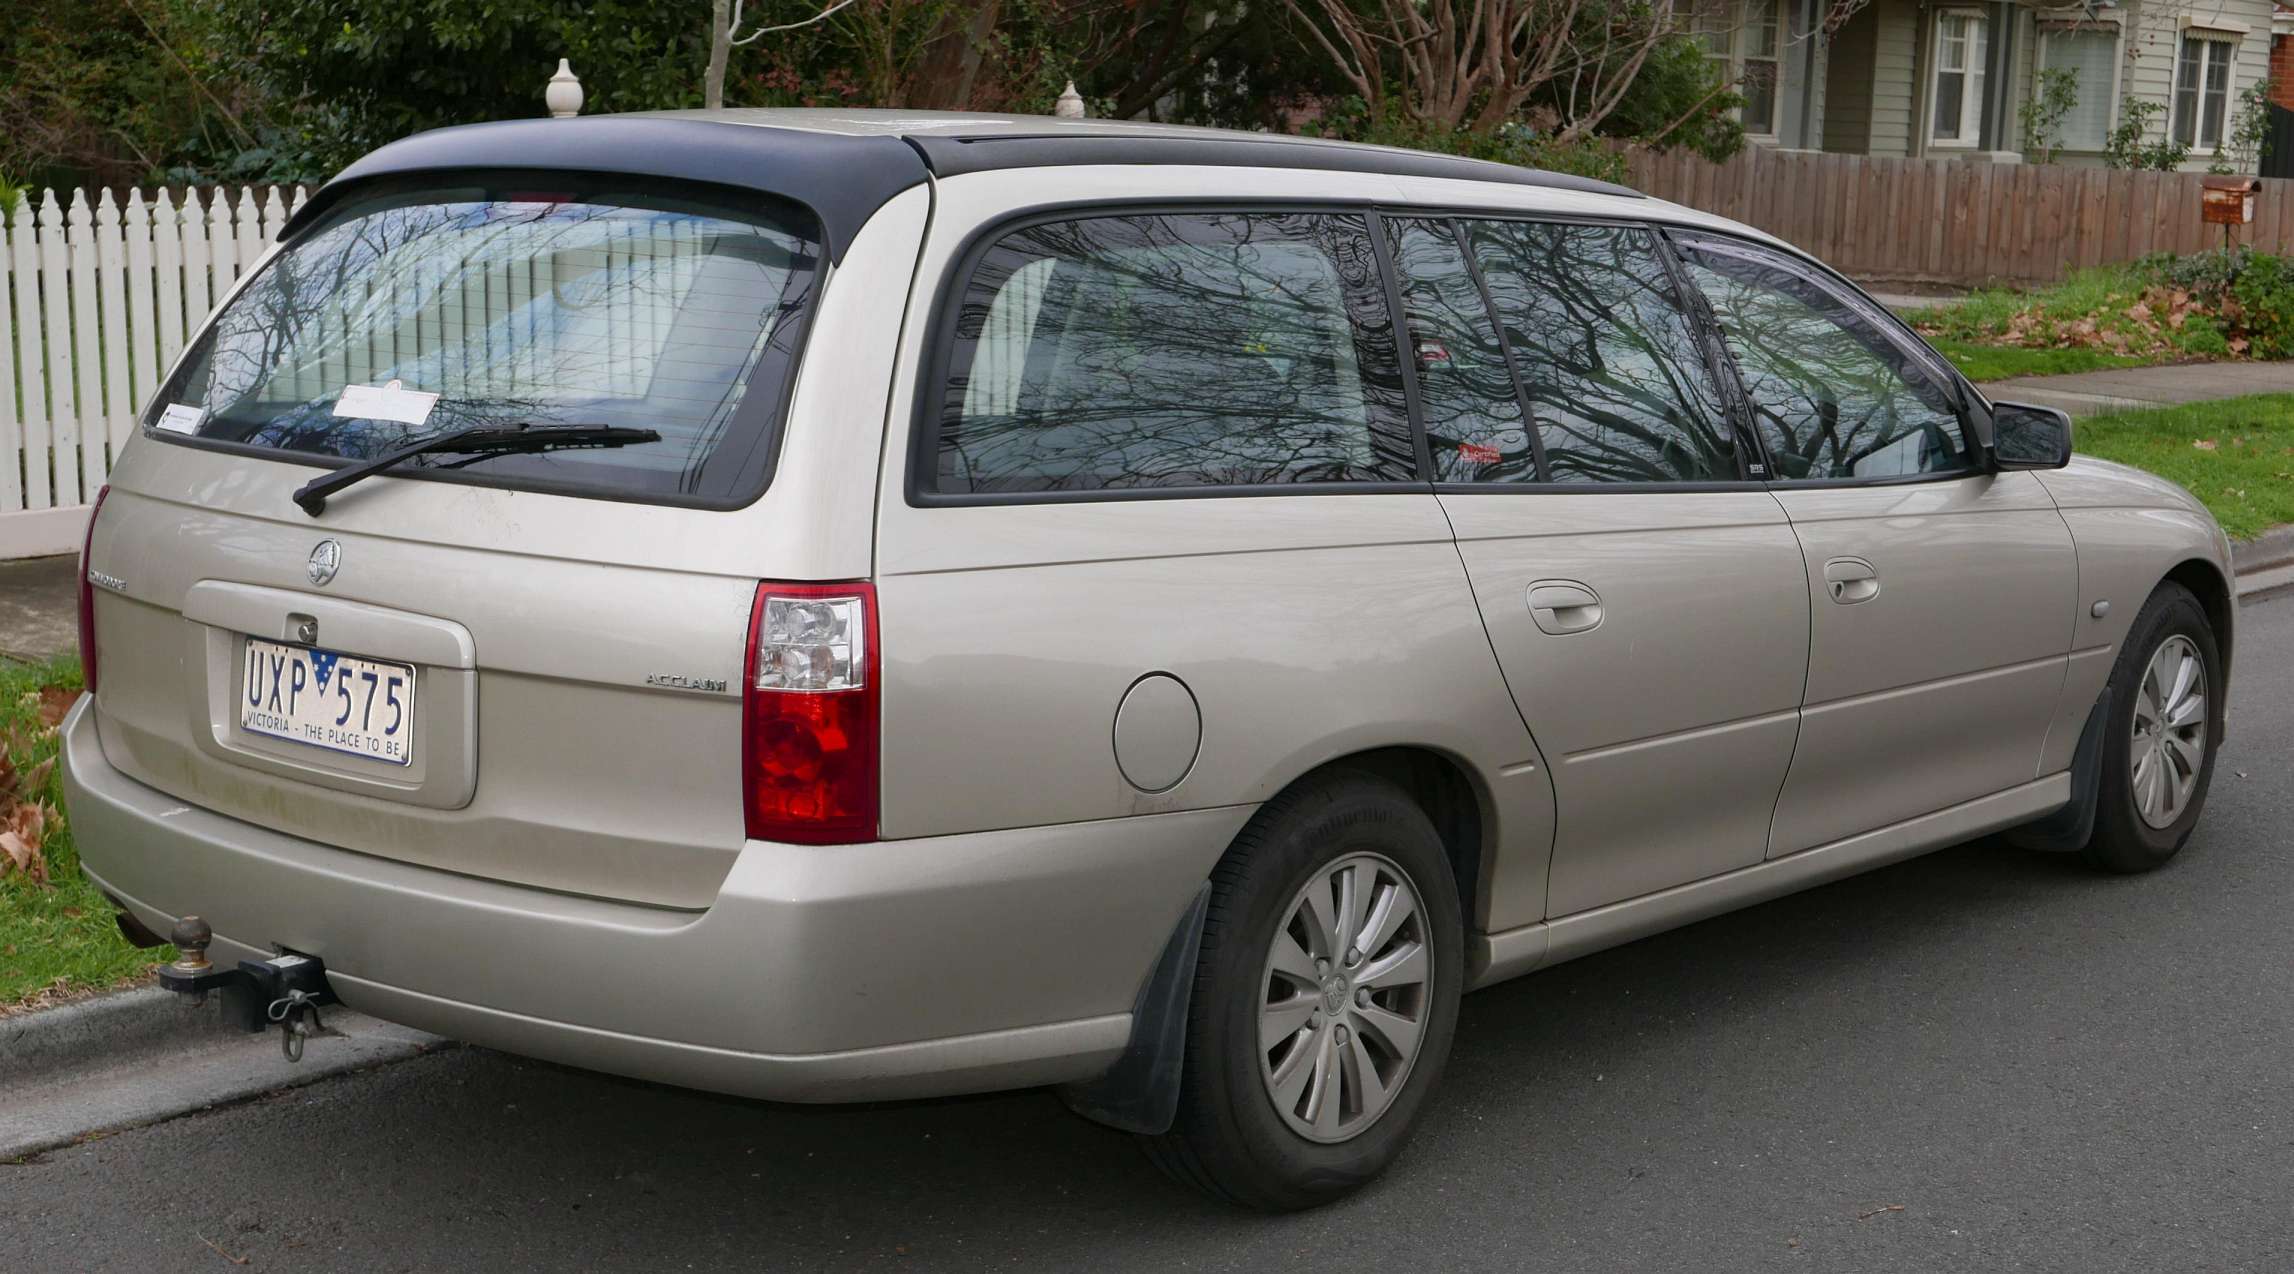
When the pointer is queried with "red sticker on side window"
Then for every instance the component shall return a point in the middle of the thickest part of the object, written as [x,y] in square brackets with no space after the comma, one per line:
[1479,453]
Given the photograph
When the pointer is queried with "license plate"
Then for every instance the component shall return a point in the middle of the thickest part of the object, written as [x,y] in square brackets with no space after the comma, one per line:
[364,707]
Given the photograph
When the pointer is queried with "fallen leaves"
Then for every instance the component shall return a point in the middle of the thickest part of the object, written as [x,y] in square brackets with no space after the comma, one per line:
[25,815]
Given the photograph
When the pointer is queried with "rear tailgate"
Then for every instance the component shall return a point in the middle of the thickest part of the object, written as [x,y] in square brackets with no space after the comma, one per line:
[574,662]
[538,752]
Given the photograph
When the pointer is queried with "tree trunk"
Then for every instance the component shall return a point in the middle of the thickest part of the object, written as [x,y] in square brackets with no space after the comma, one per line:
[720,49]
[948,72]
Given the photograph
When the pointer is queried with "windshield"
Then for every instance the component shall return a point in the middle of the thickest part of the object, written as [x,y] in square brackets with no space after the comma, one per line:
[414,313]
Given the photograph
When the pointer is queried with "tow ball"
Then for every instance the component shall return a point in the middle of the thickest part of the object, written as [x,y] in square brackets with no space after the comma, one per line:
[286,990]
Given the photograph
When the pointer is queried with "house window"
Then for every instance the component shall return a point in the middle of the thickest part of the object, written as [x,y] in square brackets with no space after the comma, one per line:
[1962,40]
[2091,55]
[1746,45]
[2202,90]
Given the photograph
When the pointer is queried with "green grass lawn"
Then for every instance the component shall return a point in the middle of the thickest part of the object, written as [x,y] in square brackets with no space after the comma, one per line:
[2236,454]
[1999,362]
[58,937]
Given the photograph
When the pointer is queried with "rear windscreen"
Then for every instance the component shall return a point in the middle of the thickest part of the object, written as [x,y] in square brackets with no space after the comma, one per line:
[408,314]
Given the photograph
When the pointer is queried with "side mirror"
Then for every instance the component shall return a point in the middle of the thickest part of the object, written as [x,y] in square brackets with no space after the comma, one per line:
[2027,437]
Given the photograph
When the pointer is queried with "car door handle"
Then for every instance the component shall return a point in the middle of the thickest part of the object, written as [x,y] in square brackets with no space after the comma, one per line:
[1564,606]
[1851,580]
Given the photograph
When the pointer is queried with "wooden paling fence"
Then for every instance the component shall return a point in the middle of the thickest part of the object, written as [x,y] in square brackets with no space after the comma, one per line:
[96,299]
[1950,221]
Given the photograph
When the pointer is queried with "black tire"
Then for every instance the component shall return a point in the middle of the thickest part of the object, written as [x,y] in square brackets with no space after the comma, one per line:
[2123,840]
[1229,1139]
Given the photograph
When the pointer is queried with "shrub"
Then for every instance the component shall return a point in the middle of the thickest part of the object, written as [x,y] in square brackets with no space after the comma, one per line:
[2262,305]
[2127,147]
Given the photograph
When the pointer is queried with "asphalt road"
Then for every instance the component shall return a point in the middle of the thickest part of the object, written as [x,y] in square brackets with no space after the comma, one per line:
[1982,1059]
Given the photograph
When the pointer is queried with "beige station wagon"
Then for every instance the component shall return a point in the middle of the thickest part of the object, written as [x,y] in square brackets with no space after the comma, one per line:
[845,605]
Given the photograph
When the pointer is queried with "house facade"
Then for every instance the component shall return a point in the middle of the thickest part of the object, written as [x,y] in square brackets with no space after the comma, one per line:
[1933,79]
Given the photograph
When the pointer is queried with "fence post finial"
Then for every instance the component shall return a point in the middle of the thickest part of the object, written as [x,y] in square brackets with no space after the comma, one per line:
[563,95]
[1070,103]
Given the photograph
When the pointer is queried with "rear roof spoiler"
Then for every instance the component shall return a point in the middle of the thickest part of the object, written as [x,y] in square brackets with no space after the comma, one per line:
[843,180]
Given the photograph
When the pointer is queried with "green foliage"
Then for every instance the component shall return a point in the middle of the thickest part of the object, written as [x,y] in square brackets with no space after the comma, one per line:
[106,90]
[196,91]
[1680,98]
[2249,132]
[344,76]
[2054,91]
[2262,294]
[1512,143]
[2129,145]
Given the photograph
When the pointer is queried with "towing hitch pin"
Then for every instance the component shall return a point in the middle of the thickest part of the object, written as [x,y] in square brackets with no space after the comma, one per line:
[285,990]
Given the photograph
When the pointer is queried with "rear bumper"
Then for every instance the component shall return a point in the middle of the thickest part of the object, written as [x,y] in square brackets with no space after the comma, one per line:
[897,969]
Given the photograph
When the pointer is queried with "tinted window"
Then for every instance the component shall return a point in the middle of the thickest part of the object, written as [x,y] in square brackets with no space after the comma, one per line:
[1832,395]
[1473,414]
[1145,351]
[587,305]
[1611,364]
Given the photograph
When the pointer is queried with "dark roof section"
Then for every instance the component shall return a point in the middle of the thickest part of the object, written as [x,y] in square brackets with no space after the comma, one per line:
[952,155]
[842,179]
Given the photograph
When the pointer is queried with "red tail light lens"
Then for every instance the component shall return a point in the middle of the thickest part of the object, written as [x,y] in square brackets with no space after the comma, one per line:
[809,705]
[88,595]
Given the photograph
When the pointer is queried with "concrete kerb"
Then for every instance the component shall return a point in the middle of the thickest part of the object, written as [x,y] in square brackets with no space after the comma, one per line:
[141,1056]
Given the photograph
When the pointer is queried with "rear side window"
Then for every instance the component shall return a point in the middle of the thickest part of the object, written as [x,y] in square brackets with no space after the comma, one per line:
[1474,420]
[1169,351]
[1613,367]
[576,305]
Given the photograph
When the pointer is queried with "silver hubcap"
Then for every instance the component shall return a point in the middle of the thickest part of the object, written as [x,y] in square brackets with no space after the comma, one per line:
[2169,744]
[1346,996]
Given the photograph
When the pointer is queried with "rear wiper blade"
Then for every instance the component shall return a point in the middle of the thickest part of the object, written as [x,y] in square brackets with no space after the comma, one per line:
[481,440]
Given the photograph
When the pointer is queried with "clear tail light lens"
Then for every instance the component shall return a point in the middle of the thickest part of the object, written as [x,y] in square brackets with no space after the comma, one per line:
[88,595]
[809,709]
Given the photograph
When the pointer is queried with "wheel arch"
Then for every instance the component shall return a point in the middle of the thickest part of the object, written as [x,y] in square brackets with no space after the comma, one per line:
[1140,1092]
[2206,582]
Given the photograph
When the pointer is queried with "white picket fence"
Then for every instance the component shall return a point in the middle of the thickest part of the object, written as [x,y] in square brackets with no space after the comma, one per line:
[97,300]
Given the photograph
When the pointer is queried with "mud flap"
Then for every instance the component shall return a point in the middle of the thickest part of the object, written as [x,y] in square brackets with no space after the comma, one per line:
[1140,1093]
[2067,830]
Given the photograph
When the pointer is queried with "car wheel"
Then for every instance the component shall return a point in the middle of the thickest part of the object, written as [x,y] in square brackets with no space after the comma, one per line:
[1325,994]
[2160,737]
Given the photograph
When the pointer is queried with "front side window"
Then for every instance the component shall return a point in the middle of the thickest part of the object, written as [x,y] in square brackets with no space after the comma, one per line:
[1169,351]
[2202,90]
[496,304]
[1961,46]
[1609,358]
[2090,56]
[1832,396]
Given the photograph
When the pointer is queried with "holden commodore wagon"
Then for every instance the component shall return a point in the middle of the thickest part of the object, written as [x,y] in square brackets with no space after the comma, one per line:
[847,605]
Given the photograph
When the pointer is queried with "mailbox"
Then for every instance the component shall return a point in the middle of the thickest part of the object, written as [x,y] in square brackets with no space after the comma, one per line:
[2228,201]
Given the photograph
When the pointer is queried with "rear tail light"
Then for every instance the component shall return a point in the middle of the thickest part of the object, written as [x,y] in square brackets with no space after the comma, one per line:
[809,724]
[88,595]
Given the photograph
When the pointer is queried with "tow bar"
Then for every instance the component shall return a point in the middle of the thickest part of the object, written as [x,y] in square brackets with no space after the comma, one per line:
[284,991]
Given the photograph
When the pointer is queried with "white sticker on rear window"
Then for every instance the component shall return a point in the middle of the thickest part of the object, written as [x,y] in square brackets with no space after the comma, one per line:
[179,419]
[385,402]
